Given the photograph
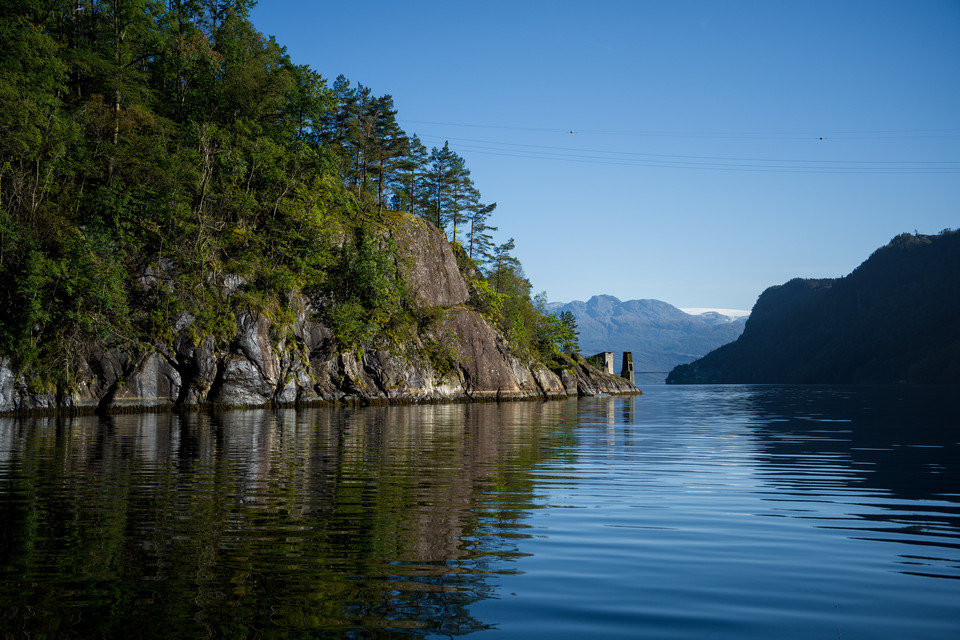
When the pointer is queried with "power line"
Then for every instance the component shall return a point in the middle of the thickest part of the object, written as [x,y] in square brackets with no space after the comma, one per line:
[496,145]
[716,163]
[857,134]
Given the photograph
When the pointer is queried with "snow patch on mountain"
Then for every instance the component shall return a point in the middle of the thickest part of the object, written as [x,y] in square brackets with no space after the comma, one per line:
[659,335]
[730,313]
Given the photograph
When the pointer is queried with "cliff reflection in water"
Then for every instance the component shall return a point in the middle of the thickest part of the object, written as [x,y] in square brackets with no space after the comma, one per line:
[888,453]
[286,521]
[900,440]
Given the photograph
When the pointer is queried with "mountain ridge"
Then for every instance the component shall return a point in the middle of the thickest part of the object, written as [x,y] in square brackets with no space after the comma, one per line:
[659,335]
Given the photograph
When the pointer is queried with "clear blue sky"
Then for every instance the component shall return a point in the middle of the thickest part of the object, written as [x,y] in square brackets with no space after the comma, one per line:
[669,150]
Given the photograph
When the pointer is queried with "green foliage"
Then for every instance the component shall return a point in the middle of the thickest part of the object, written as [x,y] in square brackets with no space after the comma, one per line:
[367,294]
[52,300]
[146,130]
[350,323]
[507,293]
[555,333]
[487,301]
[441,352]
[174,138]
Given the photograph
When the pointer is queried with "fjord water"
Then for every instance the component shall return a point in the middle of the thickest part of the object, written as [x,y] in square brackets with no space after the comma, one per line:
[688,512]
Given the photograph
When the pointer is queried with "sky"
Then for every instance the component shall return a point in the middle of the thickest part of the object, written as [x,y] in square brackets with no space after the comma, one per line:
[690,152]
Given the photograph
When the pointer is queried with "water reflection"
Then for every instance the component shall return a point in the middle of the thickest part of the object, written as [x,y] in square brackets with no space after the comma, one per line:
[371,518]
[880,464]
[901,440]
[890,454]
[741,512]
[726,512]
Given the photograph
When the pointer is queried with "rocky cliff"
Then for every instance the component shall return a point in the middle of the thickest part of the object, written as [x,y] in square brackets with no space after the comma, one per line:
[268,364]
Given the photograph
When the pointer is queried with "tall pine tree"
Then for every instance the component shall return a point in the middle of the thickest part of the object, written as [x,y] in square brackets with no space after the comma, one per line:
[410,193]
[441,177]
[387,145]
[480,242]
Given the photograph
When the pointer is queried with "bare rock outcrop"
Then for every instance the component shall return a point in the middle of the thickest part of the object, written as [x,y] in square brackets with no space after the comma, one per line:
[152,383]
[427,265]
[487,368]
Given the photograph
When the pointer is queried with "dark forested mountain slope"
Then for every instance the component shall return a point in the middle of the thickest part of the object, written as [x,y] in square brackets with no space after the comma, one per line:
[893,319]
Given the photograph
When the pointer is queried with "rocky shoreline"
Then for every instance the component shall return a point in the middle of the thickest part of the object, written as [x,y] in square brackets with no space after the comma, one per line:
[268,365]
[19,401]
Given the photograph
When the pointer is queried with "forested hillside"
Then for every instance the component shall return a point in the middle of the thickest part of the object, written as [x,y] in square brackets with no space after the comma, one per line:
[893,319]
[163,164]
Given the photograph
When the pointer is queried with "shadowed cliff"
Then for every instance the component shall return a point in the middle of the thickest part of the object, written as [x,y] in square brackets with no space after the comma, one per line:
[893,319]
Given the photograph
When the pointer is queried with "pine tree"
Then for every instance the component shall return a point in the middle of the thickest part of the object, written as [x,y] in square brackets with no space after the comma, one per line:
[307,104]
[410,193]
[358,137]
[569,336]
[480,242]
[440,178]
[462,193]
[502,265]
[387,145]
[336,123]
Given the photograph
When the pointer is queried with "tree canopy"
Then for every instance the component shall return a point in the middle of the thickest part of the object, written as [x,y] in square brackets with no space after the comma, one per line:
[172,138]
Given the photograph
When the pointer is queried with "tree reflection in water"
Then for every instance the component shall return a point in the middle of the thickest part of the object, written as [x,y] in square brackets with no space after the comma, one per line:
[353,521]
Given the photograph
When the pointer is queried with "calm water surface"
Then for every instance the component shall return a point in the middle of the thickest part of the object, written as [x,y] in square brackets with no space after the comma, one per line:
[688,512]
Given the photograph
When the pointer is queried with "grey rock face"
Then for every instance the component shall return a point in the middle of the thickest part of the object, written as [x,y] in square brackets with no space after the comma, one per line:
[242,384]
[427,265]
[8,387]
[153,383]
[250,374]
[486,370]
[549,383]
[198,365]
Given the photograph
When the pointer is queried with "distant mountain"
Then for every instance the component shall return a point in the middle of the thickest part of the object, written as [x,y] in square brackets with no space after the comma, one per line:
[719,316]
[660,335]
[893,319]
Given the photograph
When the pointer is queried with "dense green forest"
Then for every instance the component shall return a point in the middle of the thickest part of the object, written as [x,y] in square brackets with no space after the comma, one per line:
[172,140]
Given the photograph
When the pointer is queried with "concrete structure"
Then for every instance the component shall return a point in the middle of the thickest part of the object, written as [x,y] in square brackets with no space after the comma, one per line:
[627,370]
[603,361]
